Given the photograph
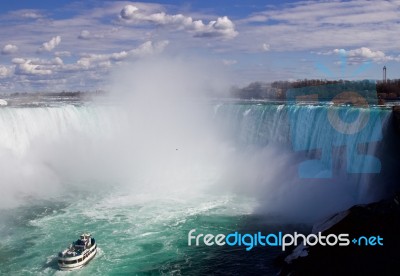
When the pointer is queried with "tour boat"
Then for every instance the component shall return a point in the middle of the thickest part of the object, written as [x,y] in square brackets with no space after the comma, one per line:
[78,253]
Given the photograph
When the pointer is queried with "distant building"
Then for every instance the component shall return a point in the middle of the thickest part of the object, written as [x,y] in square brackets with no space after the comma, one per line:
[384,74]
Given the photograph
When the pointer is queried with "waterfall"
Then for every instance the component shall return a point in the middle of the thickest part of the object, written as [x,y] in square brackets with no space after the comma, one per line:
[20,127]
[294,158]
[328,157]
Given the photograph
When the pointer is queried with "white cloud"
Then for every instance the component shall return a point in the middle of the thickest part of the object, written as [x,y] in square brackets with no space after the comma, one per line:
[265,47]
[92,59]
[27,14]
[105,60]
[50,45]
[364,52]
[337,12]
[18,60]
[222,27]
[361,55]
[229,61]
[28,68]
[149,48]
[128,11]
[27,71]
[38,61]
[62,54]
[36,66]
[119,31]
[5,71]
[31,15]
[86,35]
[57,61]
[316,25]
[9,49]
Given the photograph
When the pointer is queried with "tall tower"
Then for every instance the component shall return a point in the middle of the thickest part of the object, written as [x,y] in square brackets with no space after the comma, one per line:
[384,74]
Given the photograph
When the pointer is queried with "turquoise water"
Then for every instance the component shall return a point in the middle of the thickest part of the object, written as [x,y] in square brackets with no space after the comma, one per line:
[135,233]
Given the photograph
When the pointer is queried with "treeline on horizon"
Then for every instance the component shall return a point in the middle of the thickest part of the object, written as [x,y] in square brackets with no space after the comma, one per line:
[389,90]
[72,94]
[326,89]
[277,90]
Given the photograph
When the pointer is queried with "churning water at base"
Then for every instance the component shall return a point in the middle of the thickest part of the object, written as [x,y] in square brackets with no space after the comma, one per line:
[139,185]
[135,233]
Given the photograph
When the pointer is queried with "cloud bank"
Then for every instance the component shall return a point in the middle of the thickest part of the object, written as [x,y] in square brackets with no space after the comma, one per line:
[278,41]
[222,27]
[362,55]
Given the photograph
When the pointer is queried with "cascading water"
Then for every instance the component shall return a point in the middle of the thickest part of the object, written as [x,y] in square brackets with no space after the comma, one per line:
[144,176]
[76,143]
[322,151]
[20,127]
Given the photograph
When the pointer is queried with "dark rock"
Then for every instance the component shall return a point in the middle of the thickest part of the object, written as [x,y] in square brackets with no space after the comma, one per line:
[396,116]
[382,218]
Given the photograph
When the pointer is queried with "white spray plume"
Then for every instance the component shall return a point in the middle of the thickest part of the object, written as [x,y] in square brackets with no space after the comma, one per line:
[158,137]
[155,137]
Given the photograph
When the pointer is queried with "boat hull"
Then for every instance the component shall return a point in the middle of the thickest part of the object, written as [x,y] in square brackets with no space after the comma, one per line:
[76,262]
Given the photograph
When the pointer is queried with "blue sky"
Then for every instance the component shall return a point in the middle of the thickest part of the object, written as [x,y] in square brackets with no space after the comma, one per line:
[67,45]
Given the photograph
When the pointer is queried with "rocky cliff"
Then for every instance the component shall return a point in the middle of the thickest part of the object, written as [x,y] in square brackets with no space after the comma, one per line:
[381,218]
